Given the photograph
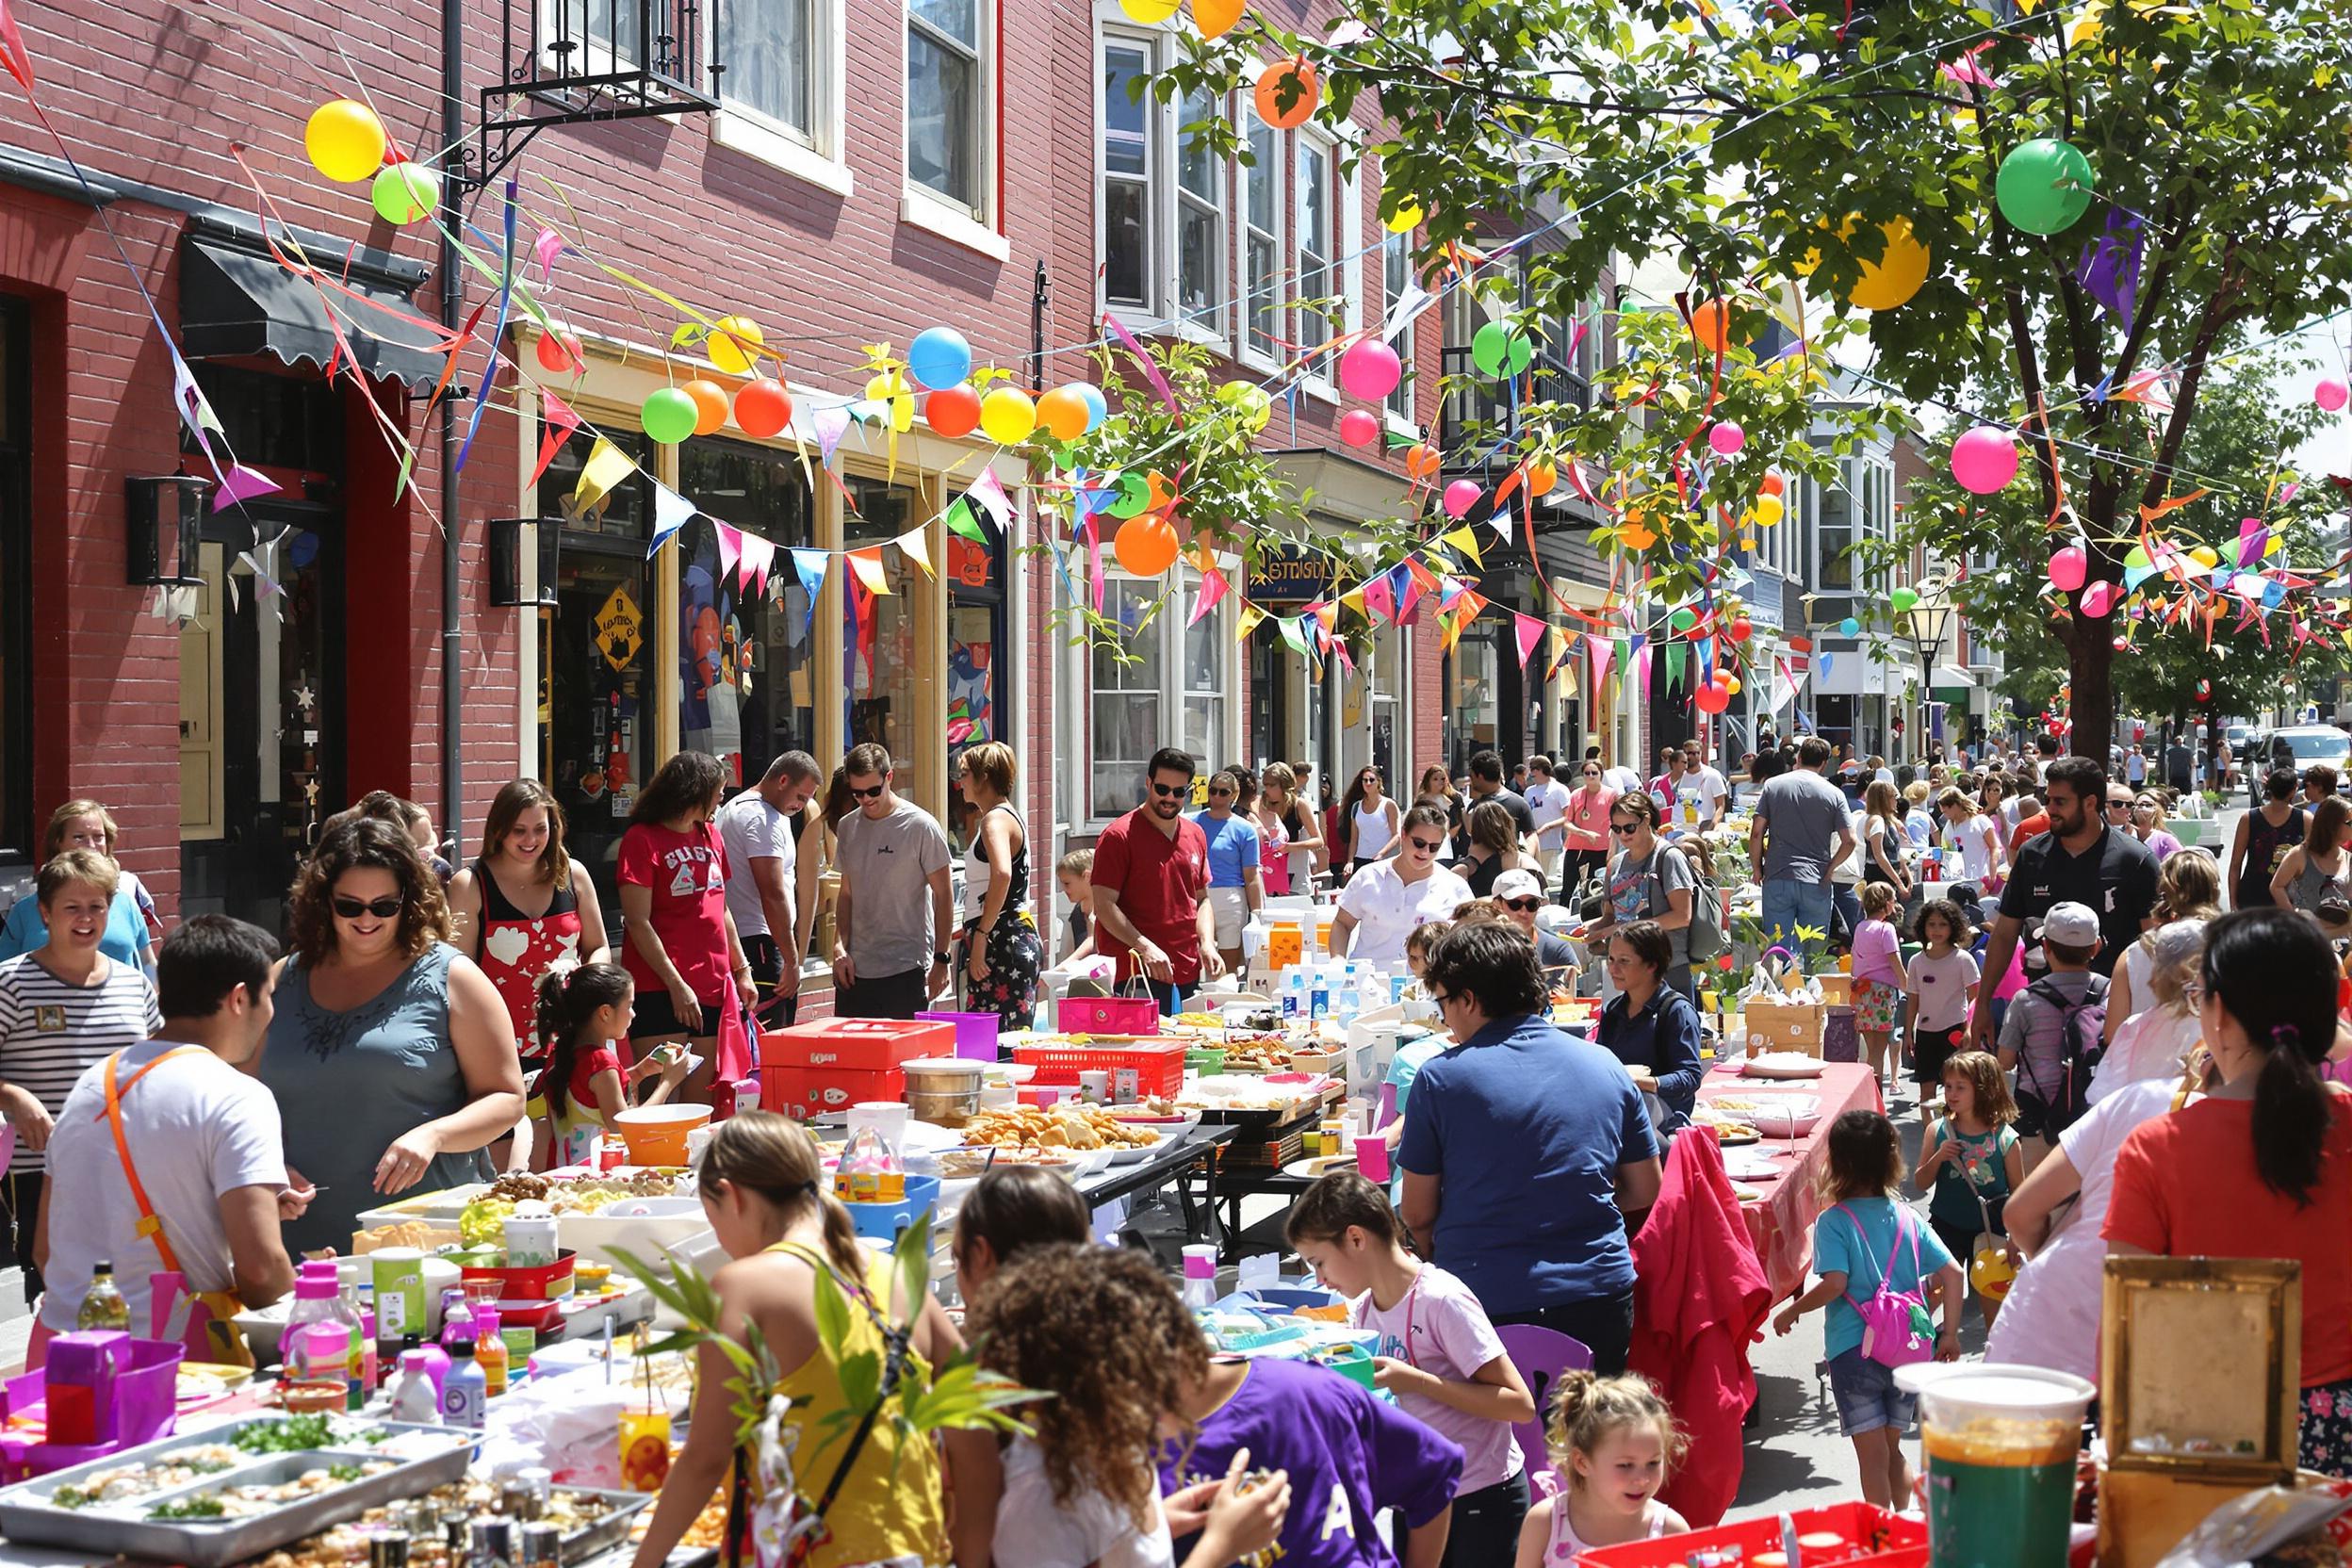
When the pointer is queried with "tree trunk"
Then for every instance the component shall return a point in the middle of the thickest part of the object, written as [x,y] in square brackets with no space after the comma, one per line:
[2090,670]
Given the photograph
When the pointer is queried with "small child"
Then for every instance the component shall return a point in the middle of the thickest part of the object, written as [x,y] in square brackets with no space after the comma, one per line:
[1972,1154]
[1867,1236]
[1438,1353]
[583,1011]
[1939,986]
[1613,1439]
[1076,872]
[1878,977]
[2034,1034]
[1406,1065]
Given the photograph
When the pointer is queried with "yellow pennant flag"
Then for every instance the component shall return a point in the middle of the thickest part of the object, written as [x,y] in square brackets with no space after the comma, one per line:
[912,546]
[1465,539]
[1327,614]
[1248,618]
[607,467]
[867,564]
[1353,599]
[1449,632]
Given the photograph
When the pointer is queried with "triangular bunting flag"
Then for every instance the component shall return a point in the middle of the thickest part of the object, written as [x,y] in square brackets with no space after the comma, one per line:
[1465,539]
[867,564]
[730,547]
[1251,615]
[1289,627]
[1530,632]
[607,467]
[1675,653]
[670,509]
[1377,598]
[1213,590]
[809,567]
[961,523]
[912,546]
[988,493]
[242,484]
[561,422]
[831,424]
[751,573]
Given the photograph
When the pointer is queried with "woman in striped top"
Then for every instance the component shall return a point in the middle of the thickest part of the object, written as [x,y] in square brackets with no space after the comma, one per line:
[63,1006]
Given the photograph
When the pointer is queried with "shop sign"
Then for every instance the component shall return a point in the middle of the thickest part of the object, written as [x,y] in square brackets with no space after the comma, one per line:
[1290,576]
[620,629]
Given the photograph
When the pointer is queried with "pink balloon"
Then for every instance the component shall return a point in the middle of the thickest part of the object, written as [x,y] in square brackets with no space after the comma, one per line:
[2098,599]
[1462,496]
[1726,438]
[1359,427]
[1985,460]
[1369,370]
[2067,569]
[2331,394]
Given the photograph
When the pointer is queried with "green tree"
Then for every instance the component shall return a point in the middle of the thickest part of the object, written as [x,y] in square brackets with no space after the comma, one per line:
[1738,143]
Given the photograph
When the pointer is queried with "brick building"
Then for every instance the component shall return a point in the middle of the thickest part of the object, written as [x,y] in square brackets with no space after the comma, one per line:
[869,171]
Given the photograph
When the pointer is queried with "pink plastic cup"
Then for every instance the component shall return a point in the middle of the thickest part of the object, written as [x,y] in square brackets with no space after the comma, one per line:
[1372,1156]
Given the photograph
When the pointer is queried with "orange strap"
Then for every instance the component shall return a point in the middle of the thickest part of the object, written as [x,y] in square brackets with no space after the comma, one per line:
[150,1225]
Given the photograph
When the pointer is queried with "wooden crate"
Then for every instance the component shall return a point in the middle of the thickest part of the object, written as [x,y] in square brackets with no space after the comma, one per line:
[1278,1148]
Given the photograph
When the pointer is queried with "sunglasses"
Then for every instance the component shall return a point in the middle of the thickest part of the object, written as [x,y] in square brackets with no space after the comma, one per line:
[1426,846]
[1625,829]
[2118,805]
[383,908]
[1169,791]
[1217,792]
[874,794]
[1523,904]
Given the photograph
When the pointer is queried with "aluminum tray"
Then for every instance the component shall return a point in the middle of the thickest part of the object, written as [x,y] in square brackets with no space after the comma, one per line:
[605,1533]
[27,1516]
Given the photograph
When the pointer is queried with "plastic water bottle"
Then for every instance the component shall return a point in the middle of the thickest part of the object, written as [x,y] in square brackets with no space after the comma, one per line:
[1294,992]
[414,1397]
[104,1307]
[465,1392]
[1319,999]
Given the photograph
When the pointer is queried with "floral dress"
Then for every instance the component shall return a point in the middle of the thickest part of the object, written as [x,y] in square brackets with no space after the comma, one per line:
[1015,955]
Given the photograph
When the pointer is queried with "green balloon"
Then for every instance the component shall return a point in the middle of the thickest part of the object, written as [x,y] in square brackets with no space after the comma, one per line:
[1135,494]
[404,192]
[1903,599]
[2044,186]
[1499,349]
[668,417]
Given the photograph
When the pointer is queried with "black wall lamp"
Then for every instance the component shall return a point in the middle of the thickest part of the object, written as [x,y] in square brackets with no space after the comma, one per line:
[506,560]
[165,513]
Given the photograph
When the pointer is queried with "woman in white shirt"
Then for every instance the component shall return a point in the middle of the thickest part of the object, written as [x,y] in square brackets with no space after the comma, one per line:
[1976,837]
[1102,1332]
[1386,899]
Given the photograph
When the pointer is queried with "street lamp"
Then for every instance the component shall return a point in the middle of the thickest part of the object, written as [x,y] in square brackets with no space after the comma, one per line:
[1929,620]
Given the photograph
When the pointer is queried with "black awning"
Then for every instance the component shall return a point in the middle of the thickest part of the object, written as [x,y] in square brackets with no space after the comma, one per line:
[235,302]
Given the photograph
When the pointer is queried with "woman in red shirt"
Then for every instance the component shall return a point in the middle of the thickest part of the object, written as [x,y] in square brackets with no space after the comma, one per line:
[2262,1167]
[679,942]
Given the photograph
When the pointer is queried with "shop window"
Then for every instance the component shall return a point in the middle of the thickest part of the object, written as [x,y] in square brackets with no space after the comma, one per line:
[878,629]
[950,128]
[976,674]
[1160,683]
[744,689]
[16,709]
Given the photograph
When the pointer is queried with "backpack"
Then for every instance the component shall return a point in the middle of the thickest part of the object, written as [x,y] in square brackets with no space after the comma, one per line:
[1706,931]
[1896,1329]
[2046,1110]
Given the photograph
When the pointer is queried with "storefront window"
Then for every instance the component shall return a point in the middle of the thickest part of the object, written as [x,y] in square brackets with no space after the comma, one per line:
[878,629]
[1205,658]
[744,689]
[975,677]
[598,652]
[1473,693]
[1125,727]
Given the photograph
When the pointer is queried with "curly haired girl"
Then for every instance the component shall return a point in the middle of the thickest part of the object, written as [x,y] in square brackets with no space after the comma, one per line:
[1102,1332]
[1613,1439]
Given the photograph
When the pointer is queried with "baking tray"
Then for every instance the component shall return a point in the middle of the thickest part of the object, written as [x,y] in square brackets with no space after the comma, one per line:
[27,1516]
[603,1534]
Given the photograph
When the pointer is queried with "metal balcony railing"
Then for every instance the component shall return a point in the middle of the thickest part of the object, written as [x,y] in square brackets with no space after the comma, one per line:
[1479,423]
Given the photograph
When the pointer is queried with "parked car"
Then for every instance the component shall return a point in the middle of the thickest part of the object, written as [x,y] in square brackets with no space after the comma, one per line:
[2299,746]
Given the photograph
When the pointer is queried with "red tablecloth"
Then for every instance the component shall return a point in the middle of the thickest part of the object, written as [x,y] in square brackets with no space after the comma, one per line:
[1781,1224]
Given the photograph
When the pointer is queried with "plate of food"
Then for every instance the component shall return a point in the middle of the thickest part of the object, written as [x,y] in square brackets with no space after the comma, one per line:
[1088,1134]
[1317,1166]
[1782,1063]
[1729,1129]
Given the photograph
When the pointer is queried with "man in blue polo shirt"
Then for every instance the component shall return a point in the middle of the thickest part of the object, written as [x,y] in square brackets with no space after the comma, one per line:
[1525,1151]
[1235,886]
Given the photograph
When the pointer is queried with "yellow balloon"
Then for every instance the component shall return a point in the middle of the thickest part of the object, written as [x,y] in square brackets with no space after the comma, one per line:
[1769,510]
[1148,13]
[345,140]
[1007,416]
[735,344]
[1732,686]
[1408,219]
[1891,280]
[891,388]
[2206,556]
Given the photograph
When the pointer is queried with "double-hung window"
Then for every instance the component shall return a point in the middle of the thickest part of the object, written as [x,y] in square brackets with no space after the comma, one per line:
[1265,205]
[770,49]
[1318,274]
[1396,280]
[1162,195]
[949,126]
[1162,684]
[1199,218]
[1128,156]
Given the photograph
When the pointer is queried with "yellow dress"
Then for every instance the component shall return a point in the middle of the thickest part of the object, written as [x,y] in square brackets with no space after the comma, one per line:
[890,1507]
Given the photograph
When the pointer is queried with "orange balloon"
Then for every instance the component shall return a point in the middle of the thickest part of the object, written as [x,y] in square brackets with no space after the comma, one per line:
[1216,18]
[1773,484]
[1063,414]
[1711,325]
[763,408]
[1145,544]
[953,411]
[1542,475]
[1421,460]
[1291,82]
[710,405]
[1162,493]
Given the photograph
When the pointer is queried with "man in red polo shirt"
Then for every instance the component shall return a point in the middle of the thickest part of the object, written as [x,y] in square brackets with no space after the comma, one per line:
[1151,873]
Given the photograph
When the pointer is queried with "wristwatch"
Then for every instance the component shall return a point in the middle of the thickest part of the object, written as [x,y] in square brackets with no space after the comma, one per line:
[940,957]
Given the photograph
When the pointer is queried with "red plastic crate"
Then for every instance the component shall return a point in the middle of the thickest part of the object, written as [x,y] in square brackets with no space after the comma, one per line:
[1873,1536]
[854,1045]
[804,1093]
[1159,1069]
[546,1281]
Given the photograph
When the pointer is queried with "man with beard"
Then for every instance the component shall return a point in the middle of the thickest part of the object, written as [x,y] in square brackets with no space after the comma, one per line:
[1150,870]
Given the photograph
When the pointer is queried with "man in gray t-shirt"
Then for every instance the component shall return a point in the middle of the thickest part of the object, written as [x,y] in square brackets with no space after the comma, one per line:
[889,956]
[1800,833]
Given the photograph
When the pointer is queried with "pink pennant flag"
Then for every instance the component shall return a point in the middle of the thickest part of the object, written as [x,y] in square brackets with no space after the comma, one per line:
[751,572]
[730,547]
[561,422]
[544,250]
[240,483]
[1530,633]
[1213,590]
[1598,651]
[1378,599]
[1339,646]
[988,493]
[1641,667]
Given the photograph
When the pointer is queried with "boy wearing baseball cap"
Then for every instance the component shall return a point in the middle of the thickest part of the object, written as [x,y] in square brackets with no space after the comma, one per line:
[2053,1029]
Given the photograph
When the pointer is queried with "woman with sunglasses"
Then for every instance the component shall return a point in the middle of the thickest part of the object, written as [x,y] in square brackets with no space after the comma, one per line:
[1386,899]
[1368,822]
[391,1053]
[1652,1030]
[2147,825]
[1586,827]
[1649,879]
[1494,848]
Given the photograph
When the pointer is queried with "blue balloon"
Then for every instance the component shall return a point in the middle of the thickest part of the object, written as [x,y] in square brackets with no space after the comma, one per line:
[1849,627]
[938,358]
[1097,410]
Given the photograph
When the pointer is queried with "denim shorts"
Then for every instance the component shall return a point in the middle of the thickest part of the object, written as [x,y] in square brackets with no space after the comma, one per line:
[1867,1396]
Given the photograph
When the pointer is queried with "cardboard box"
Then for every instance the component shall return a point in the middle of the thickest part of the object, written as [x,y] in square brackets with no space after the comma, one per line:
[1783,1025]
[856,1044]
[1837,990]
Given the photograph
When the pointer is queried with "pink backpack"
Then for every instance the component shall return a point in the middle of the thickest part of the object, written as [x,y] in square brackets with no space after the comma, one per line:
[1896,1329]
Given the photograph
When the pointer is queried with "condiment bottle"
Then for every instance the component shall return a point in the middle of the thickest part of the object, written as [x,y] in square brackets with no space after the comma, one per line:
[104,1307]
[490,1351]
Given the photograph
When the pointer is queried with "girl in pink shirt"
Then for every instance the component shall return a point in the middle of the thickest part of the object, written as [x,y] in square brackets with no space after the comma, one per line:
[1585,829]
[1613,1441]
[1879,981]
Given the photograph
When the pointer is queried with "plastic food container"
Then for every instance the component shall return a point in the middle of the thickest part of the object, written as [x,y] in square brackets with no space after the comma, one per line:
[2001,1443]
[656,1134]
[943,1089]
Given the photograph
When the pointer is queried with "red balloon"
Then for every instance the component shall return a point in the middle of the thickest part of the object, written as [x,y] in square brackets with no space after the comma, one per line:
[1711,698]
[953,411]
[559,351]
[763,408]
[1740,629]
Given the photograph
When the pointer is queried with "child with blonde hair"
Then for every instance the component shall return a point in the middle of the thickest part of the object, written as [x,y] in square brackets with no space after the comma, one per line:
[1973,1161]
[1613,1443]
[1879,980]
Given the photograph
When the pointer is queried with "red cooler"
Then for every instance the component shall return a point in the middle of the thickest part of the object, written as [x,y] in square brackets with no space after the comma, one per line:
[807,1069]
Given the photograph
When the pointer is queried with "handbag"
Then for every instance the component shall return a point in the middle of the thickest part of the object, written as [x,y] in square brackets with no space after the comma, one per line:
[1110,1015]
[1896,1330]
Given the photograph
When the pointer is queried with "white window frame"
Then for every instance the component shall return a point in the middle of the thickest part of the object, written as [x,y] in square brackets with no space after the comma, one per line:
[1244,292]
[817,155]
[1169,627]
[973,227]
[1209,329]
[1316,380]
[1161,311]
[1400,421]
